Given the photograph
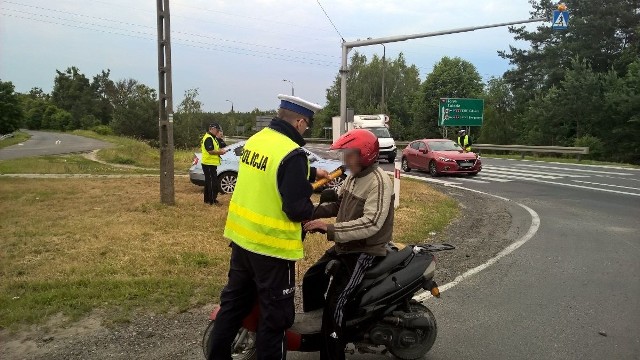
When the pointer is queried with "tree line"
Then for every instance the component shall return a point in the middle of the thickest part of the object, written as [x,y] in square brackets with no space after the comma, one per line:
[124,107]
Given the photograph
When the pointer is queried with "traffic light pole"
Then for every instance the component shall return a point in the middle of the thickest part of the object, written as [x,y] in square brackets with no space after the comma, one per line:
[165,100]
[348,45]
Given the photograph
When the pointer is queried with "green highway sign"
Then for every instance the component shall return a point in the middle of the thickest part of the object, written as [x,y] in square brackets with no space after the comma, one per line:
[460,112]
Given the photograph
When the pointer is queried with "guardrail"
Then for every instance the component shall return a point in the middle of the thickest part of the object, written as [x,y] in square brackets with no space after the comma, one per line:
[6,136]
[522,149]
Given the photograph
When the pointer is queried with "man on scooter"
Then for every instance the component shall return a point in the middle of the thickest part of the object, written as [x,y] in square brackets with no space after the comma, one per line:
[364,225]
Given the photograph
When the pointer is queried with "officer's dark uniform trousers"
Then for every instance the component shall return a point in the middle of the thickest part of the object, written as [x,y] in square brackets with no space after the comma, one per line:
[250,274]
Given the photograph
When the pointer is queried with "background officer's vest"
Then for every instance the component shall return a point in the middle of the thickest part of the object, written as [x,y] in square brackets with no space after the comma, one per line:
[256,221]
[208,159]
[465,142]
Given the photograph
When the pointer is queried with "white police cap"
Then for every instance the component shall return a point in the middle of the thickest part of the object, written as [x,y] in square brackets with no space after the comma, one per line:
[298,105]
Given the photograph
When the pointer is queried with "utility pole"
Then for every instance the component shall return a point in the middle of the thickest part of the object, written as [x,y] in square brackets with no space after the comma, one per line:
[384,70]
[165,100]
[231,104]
[348,45]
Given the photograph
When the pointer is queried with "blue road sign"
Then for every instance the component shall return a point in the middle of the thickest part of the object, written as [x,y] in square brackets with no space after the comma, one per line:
[560,20]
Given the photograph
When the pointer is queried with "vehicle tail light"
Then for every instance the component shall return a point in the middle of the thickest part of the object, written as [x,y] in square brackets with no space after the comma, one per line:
[195,160]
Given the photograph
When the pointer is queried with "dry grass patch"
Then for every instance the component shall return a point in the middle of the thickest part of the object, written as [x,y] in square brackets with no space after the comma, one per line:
[73,245]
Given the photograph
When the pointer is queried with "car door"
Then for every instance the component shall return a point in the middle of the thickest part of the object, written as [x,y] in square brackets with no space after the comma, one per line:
[422,161]
[412,154]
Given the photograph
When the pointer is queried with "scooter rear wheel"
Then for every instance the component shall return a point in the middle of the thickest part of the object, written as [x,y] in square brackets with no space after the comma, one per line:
[426,337]
[244,344]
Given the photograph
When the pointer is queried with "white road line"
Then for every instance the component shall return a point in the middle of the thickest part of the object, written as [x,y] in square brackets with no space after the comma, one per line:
[491,178]
[426,179]
[533,229]
[616,177]
[525,175]
[610,185]
[567,164]
[527,171]
[585,187]
[580,170]
[473,180]
[515,177]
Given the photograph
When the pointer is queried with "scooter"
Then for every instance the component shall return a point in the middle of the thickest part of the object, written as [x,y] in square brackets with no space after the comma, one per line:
[382,316]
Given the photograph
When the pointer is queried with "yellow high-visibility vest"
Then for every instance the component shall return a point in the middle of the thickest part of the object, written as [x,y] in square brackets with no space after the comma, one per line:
[208,159]
[256,221]
[464,143]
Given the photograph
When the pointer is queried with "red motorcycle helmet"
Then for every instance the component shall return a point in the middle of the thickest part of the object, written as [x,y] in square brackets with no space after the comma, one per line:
[362,140]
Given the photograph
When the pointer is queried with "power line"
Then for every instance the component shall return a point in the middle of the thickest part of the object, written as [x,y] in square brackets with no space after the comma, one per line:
[150,27]
[332,24]
[190,45]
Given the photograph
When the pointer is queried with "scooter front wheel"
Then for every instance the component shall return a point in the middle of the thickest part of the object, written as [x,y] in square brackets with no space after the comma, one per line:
[244,345]
[423,338]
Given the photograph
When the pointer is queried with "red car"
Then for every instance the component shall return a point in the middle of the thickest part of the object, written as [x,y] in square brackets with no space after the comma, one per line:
[439,156]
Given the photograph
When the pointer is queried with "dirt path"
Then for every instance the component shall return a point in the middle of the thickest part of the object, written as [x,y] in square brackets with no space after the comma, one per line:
[93,156]
[483,229]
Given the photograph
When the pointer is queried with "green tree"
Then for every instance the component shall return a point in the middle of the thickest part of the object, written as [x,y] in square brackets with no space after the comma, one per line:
[364,94]
[498,126]
[10,110]
[34,105]
[135,111]
[450,78]
[103,89]
[189,122]
[72,91]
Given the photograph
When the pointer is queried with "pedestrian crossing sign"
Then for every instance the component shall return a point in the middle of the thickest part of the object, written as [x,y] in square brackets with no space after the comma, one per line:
[560,20]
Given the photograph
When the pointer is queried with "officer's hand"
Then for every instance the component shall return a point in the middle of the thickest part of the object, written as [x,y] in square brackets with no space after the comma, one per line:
[223,151]
[316,226]
[322,174]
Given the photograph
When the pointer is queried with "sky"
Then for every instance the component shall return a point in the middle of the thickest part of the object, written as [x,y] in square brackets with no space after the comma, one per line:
[241,50]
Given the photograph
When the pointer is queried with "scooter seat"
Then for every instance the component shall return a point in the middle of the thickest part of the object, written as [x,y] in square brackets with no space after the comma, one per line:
[393,259]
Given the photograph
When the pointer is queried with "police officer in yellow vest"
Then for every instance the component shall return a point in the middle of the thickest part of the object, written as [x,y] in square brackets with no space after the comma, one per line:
[211,151]
[270,200]
[464,141]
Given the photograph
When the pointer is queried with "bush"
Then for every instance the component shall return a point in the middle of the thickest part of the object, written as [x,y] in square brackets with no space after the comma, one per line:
[102,130]
[595,145]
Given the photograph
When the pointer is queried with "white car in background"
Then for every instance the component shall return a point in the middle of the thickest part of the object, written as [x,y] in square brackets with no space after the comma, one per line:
[228,169]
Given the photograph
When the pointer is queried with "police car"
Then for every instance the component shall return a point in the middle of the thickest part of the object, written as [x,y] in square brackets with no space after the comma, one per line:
[228,168]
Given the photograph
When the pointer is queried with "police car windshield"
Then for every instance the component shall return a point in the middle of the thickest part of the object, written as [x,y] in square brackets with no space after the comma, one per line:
[380,132]
[444,146]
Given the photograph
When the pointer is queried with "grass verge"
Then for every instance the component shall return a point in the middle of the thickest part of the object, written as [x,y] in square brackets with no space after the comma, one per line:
[129,151]
[62,164]
[559,159]
[17,138]
[73,245]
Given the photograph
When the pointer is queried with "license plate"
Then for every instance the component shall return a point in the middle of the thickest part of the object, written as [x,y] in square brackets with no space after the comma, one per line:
[466,164]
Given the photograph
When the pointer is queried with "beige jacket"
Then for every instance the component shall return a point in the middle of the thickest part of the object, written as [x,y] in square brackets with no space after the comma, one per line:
[364,213]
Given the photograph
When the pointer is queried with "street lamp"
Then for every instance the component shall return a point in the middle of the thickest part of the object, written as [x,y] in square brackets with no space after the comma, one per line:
[290,82]
[231,104]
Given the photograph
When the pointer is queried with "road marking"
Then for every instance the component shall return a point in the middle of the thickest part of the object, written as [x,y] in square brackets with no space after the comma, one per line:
[539,173]
[567,164]
[527,175]
[514,177]
[580,170]
[533,229]
[425,179]
[585,187]
[611,185]
[473,180]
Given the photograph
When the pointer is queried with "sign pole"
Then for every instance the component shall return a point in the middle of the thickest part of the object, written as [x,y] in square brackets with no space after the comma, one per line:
[396,184]
[165,100]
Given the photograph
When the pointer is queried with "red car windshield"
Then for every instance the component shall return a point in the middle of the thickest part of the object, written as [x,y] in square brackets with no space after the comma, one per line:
[444,146]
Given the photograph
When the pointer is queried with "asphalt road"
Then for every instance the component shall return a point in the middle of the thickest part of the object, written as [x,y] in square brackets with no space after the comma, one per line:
[572,291]
[51,143]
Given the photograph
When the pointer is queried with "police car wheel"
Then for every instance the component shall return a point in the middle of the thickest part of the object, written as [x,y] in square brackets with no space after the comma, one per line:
[336,183]
[227,182]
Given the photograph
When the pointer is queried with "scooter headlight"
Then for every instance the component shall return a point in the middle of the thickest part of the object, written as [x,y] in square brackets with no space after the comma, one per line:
[431,270]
